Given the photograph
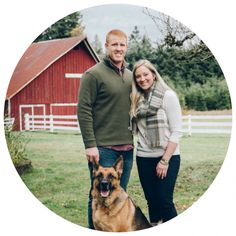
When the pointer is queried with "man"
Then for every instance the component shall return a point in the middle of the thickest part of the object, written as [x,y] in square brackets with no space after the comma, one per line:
[103,110]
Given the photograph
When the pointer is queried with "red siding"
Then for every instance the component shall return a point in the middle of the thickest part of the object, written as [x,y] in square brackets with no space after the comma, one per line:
[52,87]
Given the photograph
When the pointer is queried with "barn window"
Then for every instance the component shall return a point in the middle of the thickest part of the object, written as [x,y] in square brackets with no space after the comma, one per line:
[73,75]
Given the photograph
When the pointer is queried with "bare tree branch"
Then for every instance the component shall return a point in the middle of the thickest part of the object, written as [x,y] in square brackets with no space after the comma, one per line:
[175,34]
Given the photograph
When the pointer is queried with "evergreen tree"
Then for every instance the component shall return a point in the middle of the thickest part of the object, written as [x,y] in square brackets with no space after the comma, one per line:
[140,47]
[63,28]
[97,46]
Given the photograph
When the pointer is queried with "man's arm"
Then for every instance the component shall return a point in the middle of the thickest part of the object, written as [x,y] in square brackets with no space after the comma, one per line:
[86,100]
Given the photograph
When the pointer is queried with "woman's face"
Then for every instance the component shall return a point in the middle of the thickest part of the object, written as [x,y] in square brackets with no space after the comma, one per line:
[144,78]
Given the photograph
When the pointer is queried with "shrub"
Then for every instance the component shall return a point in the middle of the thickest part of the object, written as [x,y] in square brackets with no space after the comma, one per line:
[195,98]
[16,144]
[213,95]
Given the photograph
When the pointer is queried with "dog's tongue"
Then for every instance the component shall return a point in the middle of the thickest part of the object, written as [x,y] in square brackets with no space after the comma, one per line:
[105,193]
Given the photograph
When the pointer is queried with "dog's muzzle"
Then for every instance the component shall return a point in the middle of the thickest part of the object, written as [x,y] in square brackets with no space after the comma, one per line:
[104,188]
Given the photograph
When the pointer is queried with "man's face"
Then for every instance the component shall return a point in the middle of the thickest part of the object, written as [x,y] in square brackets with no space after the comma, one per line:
[116,48]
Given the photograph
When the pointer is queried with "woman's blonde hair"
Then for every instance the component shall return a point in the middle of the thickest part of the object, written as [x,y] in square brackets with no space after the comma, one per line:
[137,92]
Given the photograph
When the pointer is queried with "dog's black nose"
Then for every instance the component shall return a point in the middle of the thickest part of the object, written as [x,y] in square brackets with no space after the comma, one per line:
[104,185]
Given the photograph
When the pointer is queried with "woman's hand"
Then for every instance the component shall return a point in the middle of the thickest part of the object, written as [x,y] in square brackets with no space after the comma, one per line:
[163,164]
[161,170]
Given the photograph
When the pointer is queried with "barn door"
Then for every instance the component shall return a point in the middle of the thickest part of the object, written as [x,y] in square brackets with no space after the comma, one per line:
[38,109]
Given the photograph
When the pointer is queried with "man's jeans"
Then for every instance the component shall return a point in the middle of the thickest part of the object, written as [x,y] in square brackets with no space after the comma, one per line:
[107,159]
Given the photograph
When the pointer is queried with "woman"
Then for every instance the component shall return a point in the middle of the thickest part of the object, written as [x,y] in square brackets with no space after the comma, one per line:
[156,119]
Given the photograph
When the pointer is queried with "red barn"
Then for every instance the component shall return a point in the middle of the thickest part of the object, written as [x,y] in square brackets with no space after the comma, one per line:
[47,78]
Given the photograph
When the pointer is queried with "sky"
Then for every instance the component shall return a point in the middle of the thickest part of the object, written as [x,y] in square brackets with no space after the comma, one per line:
[101,19]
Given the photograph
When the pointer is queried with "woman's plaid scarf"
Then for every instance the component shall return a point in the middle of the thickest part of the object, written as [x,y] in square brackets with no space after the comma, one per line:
[155,116]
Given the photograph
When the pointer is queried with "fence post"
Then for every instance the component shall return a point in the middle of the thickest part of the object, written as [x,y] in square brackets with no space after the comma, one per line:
[44,122]
[27,126]
[189,125]
[51,123]
[32,119]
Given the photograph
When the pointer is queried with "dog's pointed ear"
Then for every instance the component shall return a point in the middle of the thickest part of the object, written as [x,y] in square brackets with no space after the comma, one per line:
[118,166]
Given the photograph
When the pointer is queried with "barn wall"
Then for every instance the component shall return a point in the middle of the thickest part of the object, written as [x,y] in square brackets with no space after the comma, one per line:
[52,87]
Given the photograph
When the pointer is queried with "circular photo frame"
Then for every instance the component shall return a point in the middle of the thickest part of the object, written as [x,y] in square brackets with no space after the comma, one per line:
[41,124]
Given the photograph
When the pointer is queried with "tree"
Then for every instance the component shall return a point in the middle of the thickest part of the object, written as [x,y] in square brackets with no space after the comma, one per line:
[140,47]
[97,46]
[134,37]
[66,27]
[174,34]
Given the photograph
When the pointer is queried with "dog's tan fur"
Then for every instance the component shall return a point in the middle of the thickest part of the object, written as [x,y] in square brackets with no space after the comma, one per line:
[116,212]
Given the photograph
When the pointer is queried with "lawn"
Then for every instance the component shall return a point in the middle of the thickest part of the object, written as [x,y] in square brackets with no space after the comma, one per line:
[60,179]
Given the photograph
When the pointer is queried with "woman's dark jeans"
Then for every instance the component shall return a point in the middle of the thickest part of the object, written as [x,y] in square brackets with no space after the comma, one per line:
[158,192]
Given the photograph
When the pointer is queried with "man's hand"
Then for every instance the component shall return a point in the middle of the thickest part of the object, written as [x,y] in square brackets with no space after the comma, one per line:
[92,154]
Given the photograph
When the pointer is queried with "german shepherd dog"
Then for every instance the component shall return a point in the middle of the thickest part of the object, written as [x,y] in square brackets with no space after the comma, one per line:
[113,209]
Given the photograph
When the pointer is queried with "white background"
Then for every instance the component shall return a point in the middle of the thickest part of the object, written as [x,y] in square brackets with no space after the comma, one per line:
[22,21]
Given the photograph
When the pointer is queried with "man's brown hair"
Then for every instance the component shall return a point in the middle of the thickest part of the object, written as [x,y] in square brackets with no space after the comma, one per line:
[116,32]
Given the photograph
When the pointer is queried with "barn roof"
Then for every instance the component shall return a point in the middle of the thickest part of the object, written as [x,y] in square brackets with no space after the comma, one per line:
[38,57]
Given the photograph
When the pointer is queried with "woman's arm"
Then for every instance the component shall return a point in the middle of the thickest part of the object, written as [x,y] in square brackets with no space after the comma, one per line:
[174,116]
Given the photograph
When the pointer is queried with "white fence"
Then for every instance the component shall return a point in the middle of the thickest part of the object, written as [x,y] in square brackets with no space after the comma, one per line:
[191,123]
[207,124]
[51,122]
[9,122]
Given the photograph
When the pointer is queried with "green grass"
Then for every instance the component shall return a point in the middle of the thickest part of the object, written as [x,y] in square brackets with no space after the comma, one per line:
[60,178]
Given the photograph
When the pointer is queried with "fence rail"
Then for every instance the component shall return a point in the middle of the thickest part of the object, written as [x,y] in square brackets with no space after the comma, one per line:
[8,123]
[51,122]
[191,123]
[215,124]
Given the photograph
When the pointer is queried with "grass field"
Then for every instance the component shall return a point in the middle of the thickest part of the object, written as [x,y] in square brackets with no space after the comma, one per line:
[60,180]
